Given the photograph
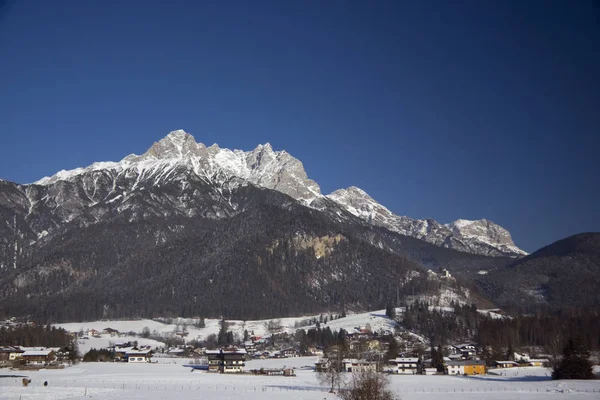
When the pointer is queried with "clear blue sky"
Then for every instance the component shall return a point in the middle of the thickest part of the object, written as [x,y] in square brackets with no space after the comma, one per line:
[438,109]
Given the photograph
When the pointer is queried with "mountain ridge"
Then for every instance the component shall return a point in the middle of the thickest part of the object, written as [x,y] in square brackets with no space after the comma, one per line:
[280,171]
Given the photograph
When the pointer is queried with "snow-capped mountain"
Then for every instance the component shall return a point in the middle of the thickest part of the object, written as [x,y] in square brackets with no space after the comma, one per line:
[278,170]
[262,166]
[478,237]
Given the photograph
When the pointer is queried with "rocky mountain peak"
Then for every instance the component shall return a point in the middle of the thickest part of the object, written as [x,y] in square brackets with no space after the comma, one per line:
[479,237]
[177,144]
[262,166]
[483,230]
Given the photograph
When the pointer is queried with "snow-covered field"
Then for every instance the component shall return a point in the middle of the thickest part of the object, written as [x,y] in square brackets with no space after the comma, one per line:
[168,379]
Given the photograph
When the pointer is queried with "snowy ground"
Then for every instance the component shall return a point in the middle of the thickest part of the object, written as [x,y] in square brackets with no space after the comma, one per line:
[376,319]
[168,379]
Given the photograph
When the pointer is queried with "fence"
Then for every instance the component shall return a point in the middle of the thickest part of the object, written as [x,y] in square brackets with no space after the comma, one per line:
[174,386]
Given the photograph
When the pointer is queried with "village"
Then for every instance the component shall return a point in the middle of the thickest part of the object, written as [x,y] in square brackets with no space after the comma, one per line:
[359,350]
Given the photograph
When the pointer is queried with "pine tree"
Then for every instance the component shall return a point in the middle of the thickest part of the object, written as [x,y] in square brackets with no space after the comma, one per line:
[390,311]
[575,363]
[510,353]
[437,358]
[393,349]
[223,338]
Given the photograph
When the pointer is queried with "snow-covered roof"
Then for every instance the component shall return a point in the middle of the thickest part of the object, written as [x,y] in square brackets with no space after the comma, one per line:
[138,352]
[34,353]
[235,351]
[464,346]
[124,349]
[355,361]
[10,349]
[465,362]
[405,360]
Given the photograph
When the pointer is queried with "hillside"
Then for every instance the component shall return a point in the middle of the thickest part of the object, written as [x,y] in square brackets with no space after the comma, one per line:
[563,274]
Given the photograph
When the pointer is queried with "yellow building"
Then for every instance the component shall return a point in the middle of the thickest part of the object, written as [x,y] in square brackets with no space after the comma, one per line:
[466,367]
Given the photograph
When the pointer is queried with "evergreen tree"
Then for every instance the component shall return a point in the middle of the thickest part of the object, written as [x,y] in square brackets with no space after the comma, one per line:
[224,337]
[510,353]
[393,349]
[575,363]
[437,358]
[390,311]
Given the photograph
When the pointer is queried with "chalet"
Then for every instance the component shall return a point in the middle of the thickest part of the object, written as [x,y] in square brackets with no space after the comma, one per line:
[520,357]
[174,351]
[110,331]
[505,364]
[466,350]
[466,367]
[226,360]
[543,362]
[354,365]
[138,356]
[261,354]
[315,351]
[404,365]
[4,354]
[290,352]
[94,333]
[16,353]
[321,366]
[274,371]
[38,357]
[9,353]
[250,347]
[121,352]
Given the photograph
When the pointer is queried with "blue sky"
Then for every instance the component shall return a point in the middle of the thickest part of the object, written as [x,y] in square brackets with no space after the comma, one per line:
[438,109]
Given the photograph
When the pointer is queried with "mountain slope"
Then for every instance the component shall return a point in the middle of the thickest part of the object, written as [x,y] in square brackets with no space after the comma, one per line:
[274,258]
[563,274]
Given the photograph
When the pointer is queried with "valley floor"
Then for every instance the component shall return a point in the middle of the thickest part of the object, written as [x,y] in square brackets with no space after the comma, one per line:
[168,379]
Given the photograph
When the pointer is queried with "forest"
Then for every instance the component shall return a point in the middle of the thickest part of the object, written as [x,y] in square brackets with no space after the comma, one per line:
[38,336]
[548,329]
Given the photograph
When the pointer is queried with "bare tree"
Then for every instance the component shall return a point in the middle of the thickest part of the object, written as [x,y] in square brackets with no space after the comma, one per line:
[332,373]
[367,385]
